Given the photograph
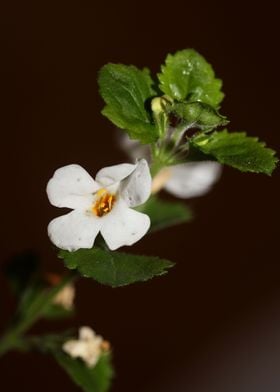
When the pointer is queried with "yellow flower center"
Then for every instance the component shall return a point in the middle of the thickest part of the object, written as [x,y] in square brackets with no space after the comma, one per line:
[104,202]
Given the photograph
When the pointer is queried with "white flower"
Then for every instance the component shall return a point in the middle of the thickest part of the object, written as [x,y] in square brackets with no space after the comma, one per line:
[100,205]
[65,297]
[88,347]
[188,180]
[185,180]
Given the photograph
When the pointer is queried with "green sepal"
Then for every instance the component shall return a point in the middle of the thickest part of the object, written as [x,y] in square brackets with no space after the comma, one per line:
[238,150]
[197,115]
[127,91]
[186,75]
[114,269]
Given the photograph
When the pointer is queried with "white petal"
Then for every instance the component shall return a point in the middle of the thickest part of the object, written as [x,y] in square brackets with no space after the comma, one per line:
[123,226]
[71,186]
[86,333]
[193,179]
[136,188]
[83,350]
[74,230]
[75,348]
[112,174]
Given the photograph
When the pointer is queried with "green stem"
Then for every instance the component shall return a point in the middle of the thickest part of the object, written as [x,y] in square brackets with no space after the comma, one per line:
[13,338]
[158,161]
[10,340]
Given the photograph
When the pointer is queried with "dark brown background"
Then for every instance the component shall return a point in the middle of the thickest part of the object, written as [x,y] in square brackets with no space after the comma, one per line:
[213,323]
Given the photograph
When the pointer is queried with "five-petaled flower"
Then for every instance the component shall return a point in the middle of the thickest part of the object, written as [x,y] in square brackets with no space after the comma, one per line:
[89,347]
[102,205]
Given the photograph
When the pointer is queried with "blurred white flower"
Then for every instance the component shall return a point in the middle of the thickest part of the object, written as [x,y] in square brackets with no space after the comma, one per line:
[65,297]
[101,205]
[186,180]
[88,346]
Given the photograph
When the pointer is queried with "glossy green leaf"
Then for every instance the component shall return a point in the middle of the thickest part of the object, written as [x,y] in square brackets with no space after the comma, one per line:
[126,91]
[186,75]
[114,268]
[165,214]
[238,150]
[96,379]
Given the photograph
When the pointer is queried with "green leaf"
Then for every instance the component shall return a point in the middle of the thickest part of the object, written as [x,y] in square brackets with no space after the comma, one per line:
[96,379]
[186,75]
[126,90]
[114,268]
[237,150]
[198,115]
[164,214]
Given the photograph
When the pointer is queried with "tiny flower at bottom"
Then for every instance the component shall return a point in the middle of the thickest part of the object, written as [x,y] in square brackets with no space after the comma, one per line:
[102,205]
[88,347]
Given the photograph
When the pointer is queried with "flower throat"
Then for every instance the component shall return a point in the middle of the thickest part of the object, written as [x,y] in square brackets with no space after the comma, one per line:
[104,202]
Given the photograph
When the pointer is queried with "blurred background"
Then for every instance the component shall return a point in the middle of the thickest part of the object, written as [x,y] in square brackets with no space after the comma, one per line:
[212,323]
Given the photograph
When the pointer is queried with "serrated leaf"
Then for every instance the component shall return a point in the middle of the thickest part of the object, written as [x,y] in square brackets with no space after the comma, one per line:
[96,379]
[165,214]
[125,90]
[114,268]
[186,75]
[238,150]
[197,115]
